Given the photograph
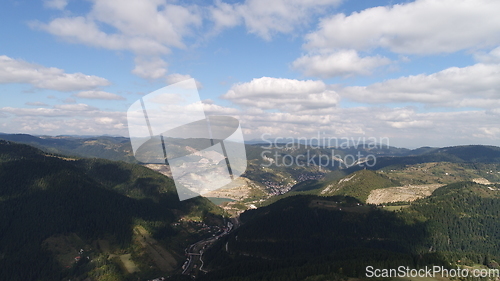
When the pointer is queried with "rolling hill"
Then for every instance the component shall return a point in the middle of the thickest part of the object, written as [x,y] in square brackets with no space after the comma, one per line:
[358,185]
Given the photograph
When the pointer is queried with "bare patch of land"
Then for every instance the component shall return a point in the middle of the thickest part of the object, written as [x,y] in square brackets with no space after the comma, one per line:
[239,189]
[160,168]
[127,263]
[245,193]
[482,181]
[401,193]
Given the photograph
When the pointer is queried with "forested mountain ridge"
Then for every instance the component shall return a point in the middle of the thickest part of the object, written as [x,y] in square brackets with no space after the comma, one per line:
[454,154]
[463,220]
[112,148]
[303,236]
[46,198]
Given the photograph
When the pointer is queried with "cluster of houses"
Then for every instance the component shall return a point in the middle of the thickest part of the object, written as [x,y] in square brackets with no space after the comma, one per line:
[277,188]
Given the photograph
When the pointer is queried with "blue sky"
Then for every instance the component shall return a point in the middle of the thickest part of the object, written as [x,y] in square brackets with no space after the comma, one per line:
[417,72]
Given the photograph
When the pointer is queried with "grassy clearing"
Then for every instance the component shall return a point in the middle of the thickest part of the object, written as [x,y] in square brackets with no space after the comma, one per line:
[331,205]
[125,262]
[395,208]
[128,264]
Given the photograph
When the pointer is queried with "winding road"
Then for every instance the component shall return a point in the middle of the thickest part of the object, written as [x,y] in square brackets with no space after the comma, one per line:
[194,262]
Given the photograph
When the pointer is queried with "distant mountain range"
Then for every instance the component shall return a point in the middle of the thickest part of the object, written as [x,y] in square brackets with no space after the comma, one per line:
[268,168]
[112,148]
[119,148]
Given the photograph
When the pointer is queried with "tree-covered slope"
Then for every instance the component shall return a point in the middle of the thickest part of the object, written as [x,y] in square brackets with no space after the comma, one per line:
[462,220]
[43,196]
[304,235]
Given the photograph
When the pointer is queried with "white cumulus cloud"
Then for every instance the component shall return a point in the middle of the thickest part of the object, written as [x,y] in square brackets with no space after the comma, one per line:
[150,68]
[491,57]
[267,18]
[283,94]
[476,85]
[147,28]
[340,63]
[419,27]
[19,71]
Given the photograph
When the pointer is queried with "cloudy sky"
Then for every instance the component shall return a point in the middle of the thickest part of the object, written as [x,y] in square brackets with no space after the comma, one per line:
[423,72]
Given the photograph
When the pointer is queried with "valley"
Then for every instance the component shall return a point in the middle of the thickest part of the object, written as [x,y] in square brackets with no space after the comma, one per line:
[79,217]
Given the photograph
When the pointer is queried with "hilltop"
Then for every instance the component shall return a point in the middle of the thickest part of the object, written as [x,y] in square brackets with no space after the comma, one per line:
[358,185]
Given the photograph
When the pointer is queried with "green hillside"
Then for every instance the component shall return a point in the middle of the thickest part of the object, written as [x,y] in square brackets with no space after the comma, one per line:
[462,219]
[358,185]
[302,236]
[309,236]
[47,198]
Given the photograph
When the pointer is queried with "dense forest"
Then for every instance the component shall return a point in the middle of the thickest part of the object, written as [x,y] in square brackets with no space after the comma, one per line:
[43,195]
[306,235]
